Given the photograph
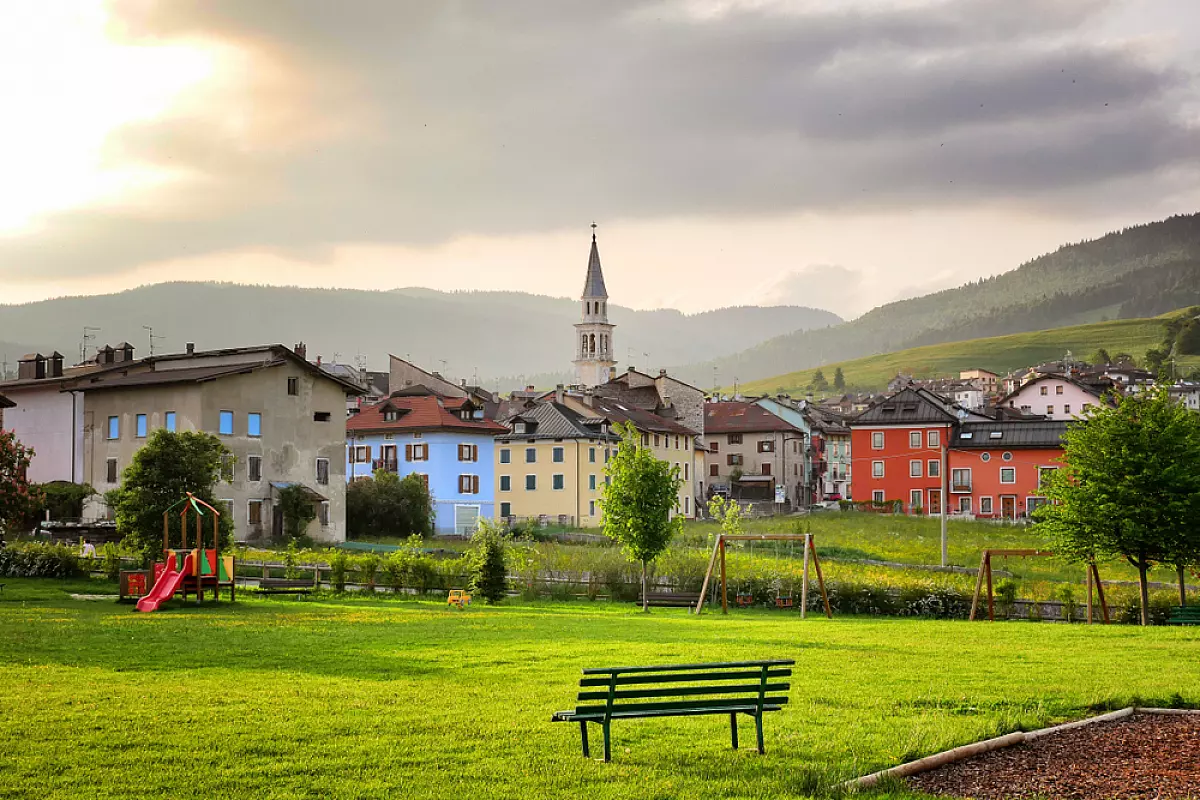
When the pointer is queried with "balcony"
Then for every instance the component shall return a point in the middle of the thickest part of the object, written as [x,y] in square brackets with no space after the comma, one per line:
[960,486]
[387,465]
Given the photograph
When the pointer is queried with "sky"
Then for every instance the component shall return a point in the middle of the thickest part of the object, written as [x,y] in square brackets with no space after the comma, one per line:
[833,154]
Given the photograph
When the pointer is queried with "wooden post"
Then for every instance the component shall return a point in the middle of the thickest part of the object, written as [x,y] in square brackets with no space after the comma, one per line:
[945,497]
[820,578]
[712,560]
[804,580]
[166,534]
[724,586]
[1100,593]
[991,605]
[199,555]
[1089,590]
[978,586]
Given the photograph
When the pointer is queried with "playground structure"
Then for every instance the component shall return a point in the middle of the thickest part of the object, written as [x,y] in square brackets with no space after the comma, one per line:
[190,571]
[459,598]
[781,600]
[985,573]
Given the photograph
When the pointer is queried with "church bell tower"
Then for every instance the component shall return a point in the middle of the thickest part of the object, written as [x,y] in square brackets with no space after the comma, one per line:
[593,336]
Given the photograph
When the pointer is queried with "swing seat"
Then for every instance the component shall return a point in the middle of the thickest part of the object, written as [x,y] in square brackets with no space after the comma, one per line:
[745,600]
[783,602]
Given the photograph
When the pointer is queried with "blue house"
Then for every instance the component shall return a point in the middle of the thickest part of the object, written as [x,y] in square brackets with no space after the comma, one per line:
[445,440]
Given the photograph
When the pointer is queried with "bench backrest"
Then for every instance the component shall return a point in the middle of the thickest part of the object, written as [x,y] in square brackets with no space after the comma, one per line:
[730,684]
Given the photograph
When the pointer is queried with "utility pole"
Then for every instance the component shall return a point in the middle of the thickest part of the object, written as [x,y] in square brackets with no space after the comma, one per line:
[945,498]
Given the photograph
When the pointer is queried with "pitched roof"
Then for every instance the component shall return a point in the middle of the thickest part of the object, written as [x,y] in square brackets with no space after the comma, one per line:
[825,420]
[1045,434]
[593,285]
[742,416]
[1091,387]
[553,420]
[424,413]
[618,411]
[907,406]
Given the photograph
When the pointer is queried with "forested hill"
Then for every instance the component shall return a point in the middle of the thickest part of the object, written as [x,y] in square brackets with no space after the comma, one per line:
[1137,272]
[462,334]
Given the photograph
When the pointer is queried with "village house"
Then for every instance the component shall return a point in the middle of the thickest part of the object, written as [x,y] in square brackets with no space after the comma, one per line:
[987,381]
[447,441]
[1055,397]
[751,451]
[998,468]
[831,438]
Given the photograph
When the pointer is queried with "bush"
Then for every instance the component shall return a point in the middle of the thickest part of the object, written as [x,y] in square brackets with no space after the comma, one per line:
[36,560]
[489,576]
[388,506]
[338,560]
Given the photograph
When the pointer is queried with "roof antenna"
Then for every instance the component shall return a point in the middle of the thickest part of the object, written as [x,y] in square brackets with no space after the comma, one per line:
[150,331]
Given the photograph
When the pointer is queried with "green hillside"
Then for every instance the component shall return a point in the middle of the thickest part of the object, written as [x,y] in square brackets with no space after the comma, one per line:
[999,354]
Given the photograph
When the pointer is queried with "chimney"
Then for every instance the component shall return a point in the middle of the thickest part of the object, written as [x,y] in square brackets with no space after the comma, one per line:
[558,393]
[318,361]
[54,365]
[123,352]
[301,350]
[529,387]
[31,367]
[191,348]
[612,373]
[589,398]
[662,373]
[463,382]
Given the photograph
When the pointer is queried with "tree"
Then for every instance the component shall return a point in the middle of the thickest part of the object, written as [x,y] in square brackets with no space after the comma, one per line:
[1130,486]
[839,380]
[489,575]
[1188,341]
[388,506]
[818,380]
[296,504]
[18,498]
[638,501]
[167,467]
[1101,357]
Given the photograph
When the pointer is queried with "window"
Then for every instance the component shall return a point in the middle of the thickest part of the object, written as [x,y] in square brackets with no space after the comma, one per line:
[1045,390]
[685,471]
[530,455]
[254,512]
[141,426]
[914,469]
[361,454]
[934,468]
[225,425]
[592,482]
[293,386]
[766,447]
[687,505]
[321,416]
[468,484]
[114,427]
[1049,409]
[416,452]
[323,471]
[559,455]
[735,438]
[914,498]
[559,482]
[713,447]
[591,508]
[424,476]
[505,486]
[985,505]
[1008,474]
[323,513]
[714,471]
[468,452]
[1086,406]
[227,467]
[877,496]
[914,439]
[1067,409]
[765,468]
[657,440]
[876,469]
[1058,389]
[964,505]
[960,480]
[254,424]
[985,457]
[734,459]
[254,468]
[170,421]
[1007,456]
[933,439]
[877,440]
[110,473]
[506,509]
[531,483]
[645,440]
[1043,474]
[505,456]
[591,455]
[519,427]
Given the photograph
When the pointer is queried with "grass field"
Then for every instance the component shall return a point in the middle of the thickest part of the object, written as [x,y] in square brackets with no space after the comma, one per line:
[1000,354]
[362,698]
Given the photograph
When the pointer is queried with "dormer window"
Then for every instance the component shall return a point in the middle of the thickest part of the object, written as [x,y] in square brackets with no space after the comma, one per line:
[390,415]
[519,427]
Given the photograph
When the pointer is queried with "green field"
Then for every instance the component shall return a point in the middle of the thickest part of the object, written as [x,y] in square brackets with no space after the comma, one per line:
[370,698]
[999,354]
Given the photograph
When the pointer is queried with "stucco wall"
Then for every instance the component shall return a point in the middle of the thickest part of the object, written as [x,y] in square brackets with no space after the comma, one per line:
[45,420]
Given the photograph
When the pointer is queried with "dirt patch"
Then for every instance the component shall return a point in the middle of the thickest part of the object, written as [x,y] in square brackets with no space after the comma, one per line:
[1141,756]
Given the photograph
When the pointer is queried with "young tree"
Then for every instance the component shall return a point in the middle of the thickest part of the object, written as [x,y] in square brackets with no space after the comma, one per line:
[839,380]
[1130,486]
[1101,357]
[639,500]
[162,471]
[489,575]
[18,497]
[388,506]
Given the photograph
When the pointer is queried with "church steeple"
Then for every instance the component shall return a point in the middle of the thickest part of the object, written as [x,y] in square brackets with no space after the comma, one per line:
[593,336]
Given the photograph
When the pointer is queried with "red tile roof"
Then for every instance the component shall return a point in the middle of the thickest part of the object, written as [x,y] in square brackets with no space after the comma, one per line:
[419,413]
[742,417]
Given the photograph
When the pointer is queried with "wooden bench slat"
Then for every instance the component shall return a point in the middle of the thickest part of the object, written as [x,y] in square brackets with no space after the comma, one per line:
[711,666]
[742,675]
[571,716]
[715,703]
[685,691]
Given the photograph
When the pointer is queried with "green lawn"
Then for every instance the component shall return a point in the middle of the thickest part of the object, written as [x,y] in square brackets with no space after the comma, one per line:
[407,699]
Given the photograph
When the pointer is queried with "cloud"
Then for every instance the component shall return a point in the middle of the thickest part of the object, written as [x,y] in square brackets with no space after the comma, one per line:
[414,123]
[829,286]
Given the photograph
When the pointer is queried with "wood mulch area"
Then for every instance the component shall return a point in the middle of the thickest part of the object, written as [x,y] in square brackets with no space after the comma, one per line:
[1142,756]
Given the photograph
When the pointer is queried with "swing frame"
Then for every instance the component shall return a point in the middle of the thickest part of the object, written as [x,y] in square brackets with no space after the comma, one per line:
[985,572]
[718,553]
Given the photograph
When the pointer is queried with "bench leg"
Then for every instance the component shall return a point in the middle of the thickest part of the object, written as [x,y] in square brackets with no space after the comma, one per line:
[758,727]
[607,749]
[733,730]
[587,753]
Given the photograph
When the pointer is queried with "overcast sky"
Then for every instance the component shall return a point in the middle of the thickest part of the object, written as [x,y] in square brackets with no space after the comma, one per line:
[835,154]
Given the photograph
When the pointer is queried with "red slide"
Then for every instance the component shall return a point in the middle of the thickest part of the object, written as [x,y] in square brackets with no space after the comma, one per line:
[165,587]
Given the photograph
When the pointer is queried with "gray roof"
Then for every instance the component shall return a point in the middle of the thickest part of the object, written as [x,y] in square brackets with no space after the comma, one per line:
[593,286]
[1010,435]
[909,405]
[553,420]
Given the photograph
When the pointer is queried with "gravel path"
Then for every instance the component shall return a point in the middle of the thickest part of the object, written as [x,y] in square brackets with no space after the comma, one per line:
[1142,756]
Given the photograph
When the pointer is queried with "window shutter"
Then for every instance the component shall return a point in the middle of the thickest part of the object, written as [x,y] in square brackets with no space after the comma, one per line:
[408,452]
[425,481]
[474,452]
[460,477]
[475,484]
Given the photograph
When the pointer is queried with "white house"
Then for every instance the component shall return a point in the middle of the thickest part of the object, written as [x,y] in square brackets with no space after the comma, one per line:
[1054,396]
[47,419]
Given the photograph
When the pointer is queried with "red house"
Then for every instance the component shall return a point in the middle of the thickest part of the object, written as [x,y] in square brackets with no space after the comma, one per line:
[996,467]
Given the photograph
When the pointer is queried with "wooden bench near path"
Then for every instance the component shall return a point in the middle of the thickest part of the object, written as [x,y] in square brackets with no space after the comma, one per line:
[680,690]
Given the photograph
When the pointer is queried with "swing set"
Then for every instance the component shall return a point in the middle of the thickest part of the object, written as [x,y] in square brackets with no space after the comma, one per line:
[985,573]
[744,598]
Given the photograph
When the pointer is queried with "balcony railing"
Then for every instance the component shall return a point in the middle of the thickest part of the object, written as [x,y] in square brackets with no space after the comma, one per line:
[963,487]
[387,465]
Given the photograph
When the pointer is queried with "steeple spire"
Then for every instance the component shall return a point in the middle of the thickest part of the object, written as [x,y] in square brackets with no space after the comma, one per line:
[593,286]
[593,333]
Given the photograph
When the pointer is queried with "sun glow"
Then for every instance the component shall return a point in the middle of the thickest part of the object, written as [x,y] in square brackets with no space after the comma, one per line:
[65,86]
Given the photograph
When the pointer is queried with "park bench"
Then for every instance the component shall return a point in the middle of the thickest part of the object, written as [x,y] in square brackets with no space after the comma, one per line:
[671,599]
[687,690]
[1184,615]
[284,586]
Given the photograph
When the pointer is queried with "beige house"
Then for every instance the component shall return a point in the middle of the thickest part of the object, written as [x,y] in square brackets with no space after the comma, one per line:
[752,451]
[283,419]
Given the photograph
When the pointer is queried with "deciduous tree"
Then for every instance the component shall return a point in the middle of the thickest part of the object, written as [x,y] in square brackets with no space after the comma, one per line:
[18,497]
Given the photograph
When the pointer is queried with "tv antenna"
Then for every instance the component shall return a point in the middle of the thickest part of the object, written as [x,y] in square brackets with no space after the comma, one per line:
[89,335]
[150,331]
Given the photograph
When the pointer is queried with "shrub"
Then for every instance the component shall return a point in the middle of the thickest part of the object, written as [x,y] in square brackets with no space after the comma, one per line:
[489,576]
[368,566]
[337,569]
[36,560]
